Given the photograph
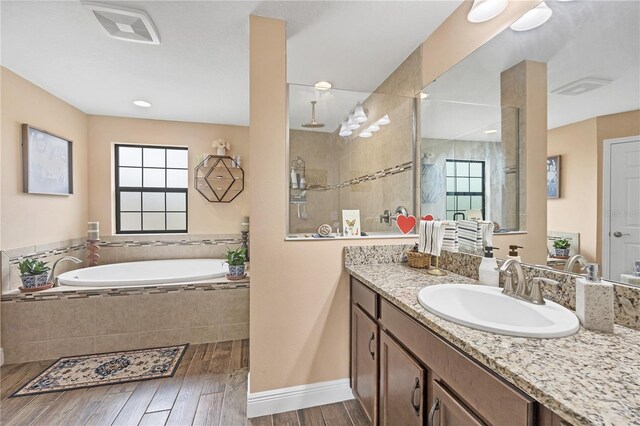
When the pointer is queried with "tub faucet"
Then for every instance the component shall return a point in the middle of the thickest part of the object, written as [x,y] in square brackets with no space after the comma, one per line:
[52,274]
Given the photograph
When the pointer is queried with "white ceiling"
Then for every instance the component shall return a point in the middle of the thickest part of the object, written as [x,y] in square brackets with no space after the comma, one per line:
[582,39]
[200,71]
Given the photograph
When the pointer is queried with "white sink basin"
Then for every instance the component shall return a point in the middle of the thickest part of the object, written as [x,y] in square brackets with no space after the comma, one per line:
[487,309]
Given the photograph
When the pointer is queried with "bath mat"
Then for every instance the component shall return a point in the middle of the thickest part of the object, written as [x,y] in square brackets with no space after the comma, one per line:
[110,368]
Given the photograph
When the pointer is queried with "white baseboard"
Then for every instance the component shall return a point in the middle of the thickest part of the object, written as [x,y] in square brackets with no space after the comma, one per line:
[297,397]
[1,356]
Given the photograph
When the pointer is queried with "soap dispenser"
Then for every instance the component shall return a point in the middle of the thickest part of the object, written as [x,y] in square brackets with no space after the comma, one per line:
[488,272]
[513,252]
[594,301]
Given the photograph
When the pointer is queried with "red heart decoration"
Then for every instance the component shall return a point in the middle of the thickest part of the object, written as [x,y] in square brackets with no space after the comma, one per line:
[405,223]
[427,217]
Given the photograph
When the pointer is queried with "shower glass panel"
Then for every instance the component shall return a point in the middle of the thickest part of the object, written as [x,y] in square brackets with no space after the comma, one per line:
[366,168]
[469,162]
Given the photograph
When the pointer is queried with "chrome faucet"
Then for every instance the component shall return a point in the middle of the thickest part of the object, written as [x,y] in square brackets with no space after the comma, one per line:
[52,275]
[528,289]
[387,216]
[576,258]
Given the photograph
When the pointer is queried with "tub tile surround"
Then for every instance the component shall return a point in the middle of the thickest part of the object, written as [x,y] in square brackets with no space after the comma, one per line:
[589,378]
[40,328]
[627,298]
[117,249]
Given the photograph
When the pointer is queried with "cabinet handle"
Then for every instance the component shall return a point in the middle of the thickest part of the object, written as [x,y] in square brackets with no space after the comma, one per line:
[371,340]
[432,413]
[416,406]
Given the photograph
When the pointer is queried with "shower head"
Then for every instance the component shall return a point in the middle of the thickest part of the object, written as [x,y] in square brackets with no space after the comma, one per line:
[314,124]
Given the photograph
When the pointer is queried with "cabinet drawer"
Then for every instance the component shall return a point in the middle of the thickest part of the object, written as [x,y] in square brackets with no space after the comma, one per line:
[493,400]
[449,411]
[364,297]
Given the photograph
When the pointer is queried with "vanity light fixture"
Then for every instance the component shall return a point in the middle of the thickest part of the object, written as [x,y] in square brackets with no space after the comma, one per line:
[323,85]
[358,114]
[351,123]
[383,121]
[484,10]
[533,18]
[141,103]
[373,128]
[365,134]
[490,131]
[344,130]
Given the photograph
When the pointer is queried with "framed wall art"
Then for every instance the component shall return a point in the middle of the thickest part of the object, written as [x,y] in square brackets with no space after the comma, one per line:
[553,177]
[47,163]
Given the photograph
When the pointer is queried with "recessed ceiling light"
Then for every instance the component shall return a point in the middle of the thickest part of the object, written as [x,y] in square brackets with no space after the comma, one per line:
[533,18]
[491,131]
[484,10]
[424,95]
[323,85]
[141,103]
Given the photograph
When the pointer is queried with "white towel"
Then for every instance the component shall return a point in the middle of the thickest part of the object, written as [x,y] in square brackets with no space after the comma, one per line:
[431,237]
[487,233]
[450,241]
[470,235]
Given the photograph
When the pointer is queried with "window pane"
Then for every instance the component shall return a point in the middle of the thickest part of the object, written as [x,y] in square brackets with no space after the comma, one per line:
[130,201]
[464,203]
[462,169]
[176,201]
[177,178]
[476,202]
[153,221]
[177,158]
[450,215]
[154,178]
[176,221]
[130,177]
[153,201]
[129,156]
[451,184]
[130,221]
[154,157]
[475,169]
[462,184]
[451,168]
[451,202]
[476,185]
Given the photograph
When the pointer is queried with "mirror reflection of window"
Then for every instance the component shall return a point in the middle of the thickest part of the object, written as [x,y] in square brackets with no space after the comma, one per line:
[465,188]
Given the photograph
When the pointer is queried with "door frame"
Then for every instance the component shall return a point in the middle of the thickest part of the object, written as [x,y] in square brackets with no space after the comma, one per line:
[607,144]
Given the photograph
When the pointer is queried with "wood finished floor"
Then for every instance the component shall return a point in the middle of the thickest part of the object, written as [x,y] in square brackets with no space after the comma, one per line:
[209,388]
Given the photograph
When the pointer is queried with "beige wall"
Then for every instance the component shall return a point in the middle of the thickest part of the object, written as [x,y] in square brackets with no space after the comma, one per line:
[27,219]
[204,217]
[576,209]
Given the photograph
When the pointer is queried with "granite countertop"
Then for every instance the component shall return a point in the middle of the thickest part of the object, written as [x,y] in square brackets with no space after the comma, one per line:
[589,378]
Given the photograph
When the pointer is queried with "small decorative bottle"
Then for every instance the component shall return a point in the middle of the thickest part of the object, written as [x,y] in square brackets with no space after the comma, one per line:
[594,301]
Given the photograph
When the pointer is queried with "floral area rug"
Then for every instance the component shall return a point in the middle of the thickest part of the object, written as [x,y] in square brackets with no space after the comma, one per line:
[105,369]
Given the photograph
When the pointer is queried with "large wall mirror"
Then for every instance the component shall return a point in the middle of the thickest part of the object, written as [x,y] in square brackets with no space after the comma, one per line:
[350,162]
[591,51]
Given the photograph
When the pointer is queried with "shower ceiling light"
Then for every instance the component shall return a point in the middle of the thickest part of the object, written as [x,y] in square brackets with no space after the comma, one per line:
[533,18]
[384,121]
[358,114]
[484,10]
[141,103]
[323,85]
[365,134]
[351,123]
[344,130]
[424,95]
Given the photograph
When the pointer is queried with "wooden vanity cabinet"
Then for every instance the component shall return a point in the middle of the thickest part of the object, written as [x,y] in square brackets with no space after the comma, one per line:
[402,383]
[404,374]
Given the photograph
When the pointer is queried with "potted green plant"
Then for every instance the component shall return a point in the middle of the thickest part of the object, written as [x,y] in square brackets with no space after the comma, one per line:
[33,272]
[236,260]
[561,247]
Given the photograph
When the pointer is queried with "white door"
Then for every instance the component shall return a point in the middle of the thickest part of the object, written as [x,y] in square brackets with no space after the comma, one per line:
[624,209]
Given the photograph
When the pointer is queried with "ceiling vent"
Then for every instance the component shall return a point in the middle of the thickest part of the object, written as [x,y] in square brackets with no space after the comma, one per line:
[581,86]
[123,23]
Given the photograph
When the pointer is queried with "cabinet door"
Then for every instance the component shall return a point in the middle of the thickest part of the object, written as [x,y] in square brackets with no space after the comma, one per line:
[402,387]
[447,410]
[364,358]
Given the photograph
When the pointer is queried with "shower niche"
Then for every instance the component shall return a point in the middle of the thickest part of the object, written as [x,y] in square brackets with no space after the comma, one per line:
[348,150]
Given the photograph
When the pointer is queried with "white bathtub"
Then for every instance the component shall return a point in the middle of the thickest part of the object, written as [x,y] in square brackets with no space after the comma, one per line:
[146,273]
